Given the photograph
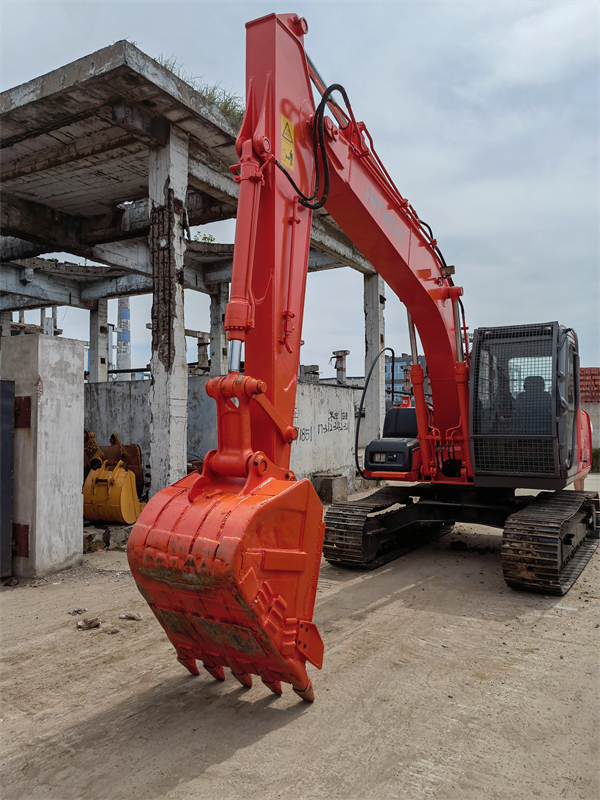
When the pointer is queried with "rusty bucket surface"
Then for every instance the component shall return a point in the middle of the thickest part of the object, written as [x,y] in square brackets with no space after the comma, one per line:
[230,568]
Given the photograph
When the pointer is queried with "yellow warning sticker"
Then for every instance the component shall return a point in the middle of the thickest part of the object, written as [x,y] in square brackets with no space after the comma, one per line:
[287,143]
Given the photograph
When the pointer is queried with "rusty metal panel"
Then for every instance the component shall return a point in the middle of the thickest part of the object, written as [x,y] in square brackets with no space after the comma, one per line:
[23,412]
[21,540]
[7,436]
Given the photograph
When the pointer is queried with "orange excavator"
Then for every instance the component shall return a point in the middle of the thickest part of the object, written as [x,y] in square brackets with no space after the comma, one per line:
[229,559]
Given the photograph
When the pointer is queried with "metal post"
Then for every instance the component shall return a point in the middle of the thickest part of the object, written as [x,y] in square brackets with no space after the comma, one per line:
[340,365]
[459,345]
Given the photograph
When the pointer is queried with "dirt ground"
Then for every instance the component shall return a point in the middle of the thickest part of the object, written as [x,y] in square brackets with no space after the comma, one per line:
[438,682]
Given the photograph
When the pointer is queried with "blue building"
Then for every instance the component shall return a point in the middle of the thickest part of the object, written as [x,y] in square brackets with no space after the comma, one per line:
[401,363]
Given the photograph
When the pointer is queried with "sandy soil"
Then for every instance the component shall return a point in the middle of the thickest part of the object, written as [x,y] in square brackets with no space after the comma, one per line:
[438,682]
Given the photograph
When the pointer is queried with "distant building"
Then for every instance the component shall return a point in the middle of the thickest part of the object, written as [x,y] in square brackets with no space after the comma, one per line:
[402,364]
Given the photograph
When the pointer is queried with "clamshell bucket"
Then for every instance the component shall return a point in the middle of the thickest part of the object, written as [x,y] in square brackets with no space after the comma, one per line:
[110,495]
[230,567]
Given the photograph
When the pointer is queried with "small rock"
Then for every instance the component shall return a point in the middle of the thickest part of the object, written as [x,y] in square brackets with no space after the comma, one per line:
[458,545]
[77,612]
[88,622]
[131,615]
[110,630]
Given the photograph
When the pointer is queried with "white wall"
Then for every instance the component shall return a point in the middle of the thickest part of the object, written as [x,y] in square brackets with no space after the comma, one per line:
[325,421]
[48,469]
[324,417]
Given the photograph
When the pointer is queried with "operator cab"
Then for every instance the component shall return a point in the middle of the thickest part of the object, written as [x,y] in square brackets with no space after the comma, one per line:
[395,451]
[524,406]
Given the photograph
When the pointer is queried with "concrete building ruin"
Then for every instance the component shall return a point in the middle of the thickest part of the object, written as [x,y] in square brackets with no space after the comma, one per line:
[113,158]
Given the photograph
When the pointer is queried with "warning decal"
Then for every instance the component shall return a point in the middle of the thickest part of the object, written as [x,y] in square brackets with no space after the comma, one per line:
[287,143]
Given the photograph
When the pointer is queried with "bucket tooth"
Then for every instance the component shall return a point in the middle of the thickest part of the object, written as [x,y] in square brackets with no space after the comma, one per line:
[216,672]
[189,664]
[244,678]
[307,693]
[274,686]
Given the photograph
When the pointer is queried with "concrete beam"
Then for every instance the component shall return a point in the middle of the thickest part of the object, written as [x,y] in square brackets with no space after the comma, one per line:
[124,286]
[12,248]
[24,282]
[374,301]
[167,187]
[139,122]
[326,237]
[53,266]
[56,230]
[317,261]
[39,223]
[208,174]
[51,157]
[11,302]
[132,256]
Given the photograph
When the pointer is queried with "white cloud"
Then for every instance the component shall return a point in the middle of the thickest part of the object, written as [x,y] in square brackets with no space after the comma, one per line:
[550,45]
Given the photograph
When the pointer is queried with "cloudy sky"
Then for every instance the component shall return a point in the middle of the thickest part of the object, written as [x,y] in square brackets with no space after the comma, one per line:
[485,114]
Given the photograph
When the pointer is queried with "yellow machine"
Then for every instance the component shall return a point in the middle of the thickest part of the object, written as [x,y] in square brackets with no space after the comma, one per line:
[110,495]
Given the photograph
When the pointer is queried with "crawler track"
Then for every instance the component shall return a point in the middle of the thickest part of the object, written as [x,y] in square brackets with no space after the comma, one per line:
[546,545]
[356,537]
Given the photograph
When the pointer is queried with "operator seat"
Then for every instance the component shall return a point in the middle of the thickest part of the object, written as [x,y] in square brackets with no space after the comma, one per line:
[532,413]
[394,452]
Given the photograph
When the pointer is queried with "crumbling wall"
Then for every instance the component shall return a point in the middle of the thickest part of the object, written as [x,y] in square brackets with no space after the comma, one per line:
[122,407]
[324,418]
[325,421]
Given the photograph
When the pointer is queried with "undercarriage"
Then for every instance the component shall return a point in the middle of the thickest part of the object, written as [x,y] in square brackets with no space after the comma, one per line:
[548,538]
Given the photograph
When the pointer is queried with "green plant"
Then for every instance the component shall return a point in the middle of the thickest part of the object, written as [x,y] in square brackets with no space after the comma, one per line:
[596,459]
[204,237]
[231,104]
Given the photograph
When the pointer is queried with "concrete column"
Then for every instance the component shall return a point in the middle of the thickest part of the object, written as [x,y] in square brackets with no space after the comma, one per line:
[48,323]
[167,187]
[218,339]
[340,365]
[374,301]
[123,338]
[48,454]
[99,342]
[5,322]
[203,341]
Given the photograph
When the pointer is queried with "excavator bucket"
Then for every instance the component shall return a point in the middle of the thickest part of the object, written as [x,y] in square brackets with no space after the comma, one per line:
[110,495]
[130,454]
[230,567]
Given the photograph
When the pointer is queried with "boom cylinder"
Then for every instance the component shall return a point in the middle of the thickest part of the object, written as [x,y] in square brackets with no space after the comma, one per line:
[417,377]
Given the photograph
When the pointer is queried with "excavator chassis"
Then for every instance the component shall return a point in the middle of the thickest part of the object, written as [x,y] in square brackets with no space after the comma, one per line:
[548,539]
